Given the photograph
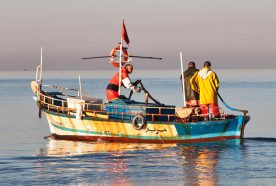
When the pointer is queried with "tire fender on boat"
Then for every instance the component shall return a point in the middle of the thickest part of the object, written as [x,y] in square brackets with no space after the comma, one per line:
[138,122]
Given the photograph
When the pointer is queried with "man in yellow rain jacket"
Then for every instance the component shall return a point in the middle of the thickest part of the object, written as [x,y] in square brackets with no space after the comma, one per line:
[206,83]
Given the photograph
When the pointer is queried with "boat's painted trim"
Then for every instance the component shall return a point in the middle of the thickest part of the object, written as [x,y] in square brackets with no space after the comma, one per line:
[121,120]
[92,129]
[136,140]
[145,137]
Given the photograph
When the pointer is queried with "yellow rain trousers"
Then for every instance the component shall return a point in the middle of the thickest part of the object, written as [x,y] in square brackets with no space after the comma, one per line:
[207,87]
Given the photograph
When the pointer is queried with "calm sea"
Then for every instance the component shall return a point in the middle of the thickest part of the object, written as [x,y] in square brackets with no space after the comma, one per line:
[28,158]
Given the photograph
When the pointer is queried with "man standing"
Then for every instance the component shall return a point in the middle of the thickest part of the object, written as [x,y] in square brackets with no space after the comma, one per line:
[113,86]
[206,83]
[192,97]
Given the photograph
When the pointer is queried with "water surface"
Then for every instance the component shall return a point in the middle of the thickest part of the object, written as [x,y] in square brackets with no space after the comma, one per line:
[27,158]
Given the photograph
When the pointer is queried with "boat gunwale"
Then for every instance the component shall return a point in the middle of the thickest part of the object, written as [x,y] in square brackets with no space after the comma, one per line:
[149,122]
[50,107]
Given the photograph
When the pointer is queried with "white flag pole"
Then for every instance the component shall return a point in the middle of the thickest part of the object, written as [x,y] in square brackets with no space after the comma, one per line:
[182,79]
[120,68]
[80,93]
[41,57]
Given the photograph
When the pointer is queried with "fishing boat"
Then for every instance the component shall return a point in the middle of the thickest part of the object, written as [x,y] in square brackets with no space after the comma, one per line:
[85,118]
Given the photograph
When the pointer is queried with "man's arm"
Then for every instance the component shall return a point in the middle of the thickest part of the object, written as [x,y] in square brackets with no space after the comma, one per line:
[127,83]
[216,81]
[194,82]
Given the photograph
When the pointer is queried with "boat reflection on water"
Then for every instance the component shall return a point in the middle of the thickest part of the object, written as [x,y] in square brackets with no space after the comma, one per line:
[91,162]
[200,161]
[73,148]
[127,163]
[199,165]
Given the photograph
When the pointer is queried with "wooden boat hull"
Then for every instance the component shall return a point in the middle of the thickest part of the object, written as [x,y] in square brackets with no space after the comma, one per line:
[67,127]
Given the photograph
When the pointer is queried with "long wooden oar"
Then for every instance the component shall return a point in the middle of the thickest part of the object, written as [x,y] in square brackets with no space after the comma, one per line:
[141,57]
[98,57]
[145,57]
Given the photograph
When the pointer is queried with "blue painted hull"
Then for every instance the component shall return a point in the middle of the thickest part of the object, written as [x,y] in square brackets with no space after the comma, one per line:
[92,129]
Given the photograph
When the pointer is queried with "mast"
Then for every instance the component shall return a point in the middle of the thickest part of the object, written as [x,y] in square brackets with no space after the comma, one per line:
[182,79]
[80,91]
[40,82]
[41,56]
[120,67]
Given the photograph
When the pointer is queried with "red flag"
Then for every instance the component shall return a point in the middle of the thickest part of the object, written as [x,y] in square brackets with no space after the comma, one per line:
[124,34]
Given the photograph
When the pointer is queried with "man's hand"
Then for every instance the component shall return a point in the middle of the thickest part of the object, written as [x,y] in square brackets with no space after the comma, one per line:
[137,82]
[137,89]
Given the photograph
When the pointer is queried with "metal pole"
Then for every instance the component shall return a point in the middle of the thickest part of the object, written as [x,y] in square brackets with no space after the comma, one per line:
[36,74]
[182,79]
[40,86]
[41,56]
[120,68]
[80,87]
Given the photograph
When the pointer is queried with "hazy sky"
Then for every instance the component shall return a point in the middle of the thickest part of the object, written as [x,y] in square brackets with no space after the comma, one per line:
[229,33]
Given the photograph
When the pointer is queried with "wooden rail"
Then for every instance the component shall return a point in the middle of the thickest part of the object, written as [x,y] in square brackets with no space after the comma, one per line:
[48,102]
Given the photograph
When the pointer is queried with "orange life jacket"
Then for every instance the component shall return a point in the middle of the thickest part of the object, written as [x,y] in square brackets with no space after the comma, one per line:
[113,86]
